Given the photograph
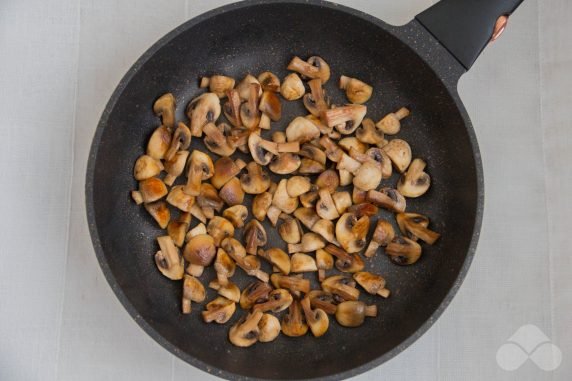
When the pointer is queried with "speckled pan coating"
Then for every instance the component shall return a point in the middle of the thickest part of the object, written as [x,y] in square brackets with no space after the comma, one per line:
[405,65]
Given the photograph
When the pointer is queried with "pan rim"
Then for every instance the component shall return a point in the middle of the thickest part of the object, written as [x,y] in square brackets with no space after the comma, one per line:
[450,84]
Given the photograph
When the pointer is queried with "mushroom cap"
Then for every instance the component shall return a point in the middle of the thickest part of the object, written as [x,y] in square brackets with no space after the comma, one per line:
[323,67]
[384,233]
[254,236]
[177,230]
[164,107]
[323,300]
[181,141]
[278,258]
[289,230]
[220,228]
[282,200]
[325,207]
[399,152]
[200,250]
[245,332]
[269,81]
[342,286]
[351,232]
[297,185]
[307,216]
[403,251]
[175,166]
[328,180]
[179,199]
[160,212]
[369,134]
[324,260]
[224,264]
[415,182]
[308,166]
[243,87]
[312,152]
[372,283]
[388,198]
[258,152]
[202,110]
[368,176]
[260,205]
[236,214]
[317,319]
[293,324]
[255,292]
[342,201]
[351,313]
[159,143]
[350,142]
[218,84]
[146,167]
[256,180]
[270,105]
[219,310]
[278,301]
[301,263]
[285,163]
[325,228]
[152,189]
[229,291]
[193,289]
[232,192]
[292,87]
[356,91]
[301,130]
[269,326]
[168,259]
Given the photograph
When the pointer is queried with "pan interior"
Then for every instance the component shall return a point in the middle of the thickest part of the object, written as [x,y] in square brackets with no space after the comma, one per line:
[251,40]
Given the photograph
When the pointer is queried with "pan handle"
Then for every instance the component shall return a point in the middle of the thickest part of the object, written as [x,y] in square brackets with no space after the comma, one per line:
[465,27]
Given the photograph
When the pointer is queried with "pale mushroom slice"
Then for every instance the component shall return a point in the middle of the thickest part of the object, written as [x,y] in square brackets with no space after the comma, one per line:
[159,143]
[224,267]
[237,215]
[179,199]
[290,230]
[316,102]
[256,180]
[202,110]
[193,291]
[415,226]
[345,262]
[345,119]
[382,236]
[160,213]
[387,198]
[292,87]
[356,91]
[226,169]
[349,164]
[249,113]
[369,134]
[399,152]
[269,81]
[216,141]
[231,108]
[324,261]
[351,142]
[151,189]
[310,242]
[352,313]
[323,300]
[164,107]
[245,332]
[168,259]
[391,123]
[298,185]
[314,67]
[180,141]
[317,319]
[308,167]
[309,199]
[175,167]
[255,292]
[325,207]
[201,168]
[270,105]
[260,205]
[278,301]
[146,167]
[415,182]
[301,130]
[218,84]
[254,236]
[277,258]
[342,286]
[374,284]
[229,291]
[178,229]
[351,232]
[282,200]
[403,251]
[219,310]
[269,327]
[313,153]
[325,228]
[244,87]
[199,252]
[302,263]
[231,193]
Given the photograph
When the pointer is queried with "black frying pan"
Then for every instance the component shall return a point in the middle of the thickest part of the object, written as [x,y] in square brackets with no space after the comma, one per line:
[417,65]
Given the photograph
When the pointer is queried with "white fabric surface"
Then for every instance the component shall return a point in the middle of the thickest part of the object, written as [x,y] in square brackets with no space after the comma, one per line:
[59,320]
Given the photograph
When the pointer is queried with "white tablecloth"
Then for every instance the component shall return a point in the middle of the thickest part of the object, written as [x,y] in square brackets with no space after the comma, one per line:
[60,61]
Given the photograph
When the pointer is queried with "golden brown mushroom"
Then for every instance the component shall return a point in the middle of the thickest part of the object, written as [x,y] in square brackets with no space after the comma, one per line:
[256,180]
[293,324]
[231,108]
[342,201]
[403,251]
[356,90]
[415,182]
[314,67]
[269,82]
[313,153]
[301,130]
[316,318]
[260,205]
[225,169]
[282,200]
[399,152]
[382,236]
[308,167]
[197,230]
[326,229]
[374,284]
[345,262]
[201,168]
[244,87]
[178,229]
[316,102]
[147,167]
[353,313]
[269,327]
[249,114]
[325,207]
[332,150]
[341,285]
[369,134]
[328,180]
[218,84]
[324,261]
[160,212]
[159,143]
[302,263]
[224,267]
[307,216]
[278,301]
[193,291]
[209,200]
[199,252]
[151,189]
[181,141]
[254,236]
[290,230]
[368,176]
[220,228]
[309,199]
[232,192]
[230,291]
[216,140]
[292,87]
[236,214]
[346,177]
[168,259]
[292,283]
[387,198]
[310,242]
[245,332]
[414,225]
[175,167]
[255,292]
[351,232]
[390,124]
[350,142]
[297,185]
[179,199]
[285,163]
[270,105]
[202,110]
[261,150]
[323,300]
[345,119]
[220,310]
[164,107]
[278,258]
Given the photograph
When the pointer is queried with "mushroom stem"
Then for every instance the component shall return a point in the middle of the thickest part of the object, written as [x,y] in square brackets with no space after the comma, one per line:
[291,283]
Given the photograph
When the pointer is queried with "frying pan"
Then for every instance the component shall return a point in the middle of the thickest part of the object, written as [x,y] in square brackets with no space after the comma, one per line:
[415,65]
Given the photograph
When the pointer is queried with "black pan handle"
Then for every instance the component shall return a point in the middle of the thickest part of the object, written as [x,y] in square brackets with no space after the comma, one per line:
[465,27]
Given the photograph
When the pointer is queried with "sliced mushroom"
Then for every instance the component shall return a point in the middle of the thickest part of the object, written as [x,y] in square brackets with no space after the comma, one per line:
[216,141]
[363,209]
[353,313]
[328,180]
[345,119]
[302,263]
[255,292]
[197,212]
[314,67]
[220,310]
[193,291]
[348,143]
[164,107]
[301,130]
[261,150]
[199,252]
[232,192]
[387,198]
[368,176]
[313,153]
[249,114]
[270,105]
[218,84]
[277,258]
[278,301]
[201,168]
[349,164]
[292,87]
[356,90]
[224,267]
[325,228]
[369,134]
[202,110]
[308,167]
[380,157]
[151,189]
[310,242]
[256,180]
[273,214]
[297,185]
[260,205]
[332,150]
[197,230]
[236,214]
[178,229]
[209,200]
[282,200]
[244,87]
[175,167]
[225,169]
[269,82]
[399,152]
[317,319]
[254,236]
[324,261]
[181,141]
[346,177]
[415,182]
[345,262]
[269,327]
[290,230]
[374,284]
[316,102]
[351,232]
[323,300]
[307,216]
[390,124]
[147,167]
[168,259]
[415,226]
[231,108]
[359,196]
[309,199]
[180,199]
[285,163]
[403,251]
[382,236]
[325,207]
[230,291]
[159,143]
[245,332]
[291,283]
[342,201]
[341,285]
[220,228]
